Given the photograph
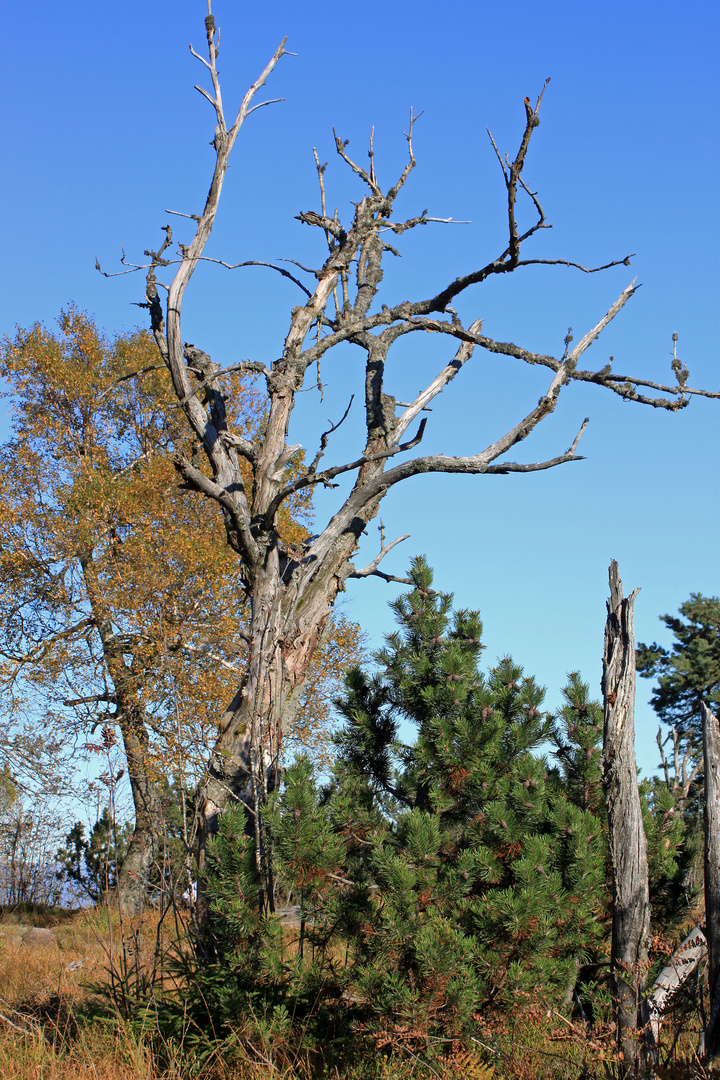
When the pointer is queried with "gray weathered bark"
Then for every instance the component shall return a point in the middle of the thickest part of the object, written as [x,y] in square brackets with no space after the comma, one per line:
[711,751]
[628,848]
[676,972]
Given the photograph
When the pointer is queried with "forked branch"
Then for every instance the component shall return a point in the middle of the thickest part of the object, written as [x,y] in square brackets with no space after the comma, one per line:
[371,570]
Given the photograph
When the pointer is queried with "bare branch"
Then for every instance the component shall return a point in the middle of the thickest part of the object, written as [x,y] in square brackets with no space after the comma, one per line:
[577,266]
[371,570]
[131,375]
[663,760]
[593,334]
[179,213]
[446,220]
[324,477]
[272,101]
[201,89]
[472,464]
[201,59]
[516,168]
[306,269]
[393,192]
[93,699]
[326,434]
[370,181]
[258,262]
[244,108]
[437,385]
[242,445]
[196,479]
[499,156]
[538,466]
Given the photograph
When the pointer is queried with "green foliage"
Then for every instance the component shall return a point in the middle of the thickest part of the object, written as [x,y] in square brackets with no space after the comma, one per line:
[577,734]
[260,987]
[438,876]
[673,846]
[689,672]
[92,864]
[488,877]
[445,876]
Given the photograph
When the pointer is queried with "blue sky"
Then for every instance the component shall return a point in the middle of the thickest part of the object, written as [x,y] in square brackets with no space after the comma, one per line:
[103,132]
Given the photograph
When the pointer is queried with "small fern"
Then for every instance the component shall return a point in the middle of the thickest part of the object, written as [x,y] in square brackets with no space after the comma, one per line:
[467,1063]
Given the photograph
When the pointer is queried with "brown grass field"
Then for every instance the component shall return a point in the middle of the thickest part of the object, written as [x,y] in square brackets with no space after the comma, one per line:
[48,1033]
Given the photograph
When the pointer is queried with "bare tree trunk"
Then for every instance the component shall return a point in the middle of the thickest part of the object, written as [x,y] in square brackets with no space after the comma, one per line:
[711,750]
[142,852]
[628,849]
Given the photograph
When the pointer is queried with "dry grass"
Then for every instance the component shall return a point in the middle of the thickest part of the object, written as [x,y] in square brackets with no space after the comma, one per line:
[43,986]
[45,991]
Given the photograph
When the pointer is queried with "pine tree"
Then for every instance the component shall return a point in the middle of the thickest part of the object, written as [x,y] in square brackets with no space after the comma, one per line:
[577,733]
[689,672]
[92,863]
[488,877]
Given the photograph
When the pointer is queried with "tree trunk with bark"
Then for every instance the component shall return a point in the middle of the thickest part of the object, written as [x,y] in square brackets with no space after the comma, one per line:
[130,717]
[711,751]
[628,848]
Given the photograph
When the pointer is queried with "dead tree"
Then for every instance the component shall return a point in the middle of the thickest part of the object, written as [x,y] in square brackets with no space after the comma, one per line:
[291,590]
[681,783]
[683,962]
[628,847]
[711,751]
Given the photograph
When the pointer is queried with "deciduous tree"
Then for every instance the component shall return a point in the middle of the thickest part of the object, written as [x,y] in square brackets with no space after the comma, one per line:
[121,602]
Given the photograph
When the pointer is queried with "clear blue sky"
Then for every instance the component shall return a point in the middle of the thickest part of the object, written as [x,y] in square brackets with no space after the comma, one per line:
[103,131]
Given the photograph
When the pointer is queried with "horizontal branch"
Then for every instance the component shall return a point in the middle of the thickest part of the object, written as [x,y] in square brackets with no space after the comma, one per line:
[94,699]
[134,267]
[677,390]
[476,464]
[577,266]
[131,375]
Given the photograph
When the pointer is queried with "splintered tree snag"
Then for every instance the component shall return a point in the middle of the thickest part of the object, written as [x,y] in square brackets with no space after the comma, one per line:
[628,848]
[711,751]
[291,589]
